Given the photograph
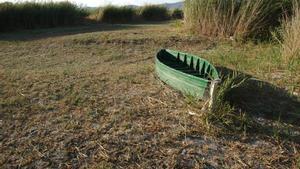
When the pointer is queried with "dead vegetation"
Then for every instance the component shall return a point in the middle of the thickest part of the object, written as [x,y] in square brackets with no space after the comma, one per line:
[93,100]
[290,35]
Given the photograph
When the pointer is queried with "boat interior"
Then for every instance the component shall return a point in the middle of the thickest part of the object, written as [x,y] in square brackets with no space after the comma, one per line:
[187,64]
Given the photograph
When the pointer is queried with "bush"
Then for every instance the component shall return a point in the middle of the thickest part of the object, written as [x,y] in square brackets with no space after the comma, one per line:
[113,14]
[226,18]
[154,13]
[177,14]
[29,15]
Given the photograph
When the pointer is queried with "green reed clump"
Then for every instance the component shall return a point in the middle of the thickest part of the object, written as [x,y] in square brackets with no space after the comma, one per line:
[114,14]
[232,18]
[154,13]
[30,15]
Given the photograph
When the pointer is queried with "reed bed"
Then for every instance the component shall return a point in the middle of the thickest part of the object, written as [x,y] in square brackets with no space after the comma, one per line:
[124,14]
[29,15]
[114,14]
[154,13]
[232,18]
[291,35]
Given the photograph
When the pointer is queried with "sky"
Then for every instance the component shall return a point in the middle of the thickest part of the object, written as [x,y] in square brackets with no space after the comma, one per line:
[96,3]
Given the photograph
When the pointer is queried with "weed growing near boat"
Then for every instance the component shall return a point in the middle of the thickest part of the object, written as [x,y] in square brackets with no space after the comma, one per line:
[223,116]
[221,112]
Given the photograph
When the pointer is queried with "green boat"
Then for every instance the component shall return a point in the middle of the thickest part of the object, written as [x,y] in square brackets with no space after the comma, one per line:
[187,73]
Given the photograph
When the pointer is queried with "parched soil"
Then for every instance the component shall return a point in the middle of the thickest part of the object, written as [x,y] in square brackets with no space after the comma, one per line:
[91,99]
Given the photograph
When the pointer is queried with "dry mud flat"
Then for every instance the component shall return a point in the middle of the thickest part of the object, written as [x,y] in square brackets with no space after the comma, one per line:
[76,99]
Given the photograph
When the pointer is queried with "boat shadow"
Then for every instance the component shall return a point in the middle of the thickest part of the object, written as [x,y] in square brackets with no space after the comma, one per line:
[261,99]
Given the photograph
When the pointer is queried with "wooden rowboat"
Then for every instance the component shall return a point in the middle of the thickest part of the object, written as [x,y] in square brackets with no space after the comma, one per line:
[187,73]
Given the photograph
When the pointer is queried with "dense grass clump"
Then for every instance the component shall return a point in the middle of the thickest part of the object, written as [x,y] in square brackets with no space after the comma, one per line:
[123,14]
[114,14]
[154,13]
[291,35]
[231,18]
[29,15]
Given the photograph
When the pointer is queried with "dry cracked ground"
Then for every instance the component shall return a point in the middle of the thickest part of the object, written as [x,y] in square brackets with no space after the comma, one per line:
[88,97]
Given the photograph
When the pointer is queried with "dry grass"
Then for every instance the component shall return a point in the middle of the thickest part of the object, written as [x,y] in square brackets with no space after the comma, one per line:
[291,35]
[92,99]
[230,18]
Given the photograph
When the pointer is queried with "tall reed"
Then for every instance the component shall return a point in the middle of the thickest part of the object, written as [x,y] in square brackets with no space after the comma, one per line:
[115,14]
[123,14]
[291,35]
[231,18]
[29,15]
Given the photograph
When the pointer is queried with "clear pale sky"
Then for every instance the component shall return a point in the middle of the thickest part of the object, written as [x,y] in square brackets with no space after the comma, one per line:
[95,3]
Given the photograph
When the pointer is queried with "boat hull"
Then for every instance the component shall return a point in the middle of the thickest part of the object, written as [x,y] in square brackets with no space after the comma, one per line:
[185,72]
